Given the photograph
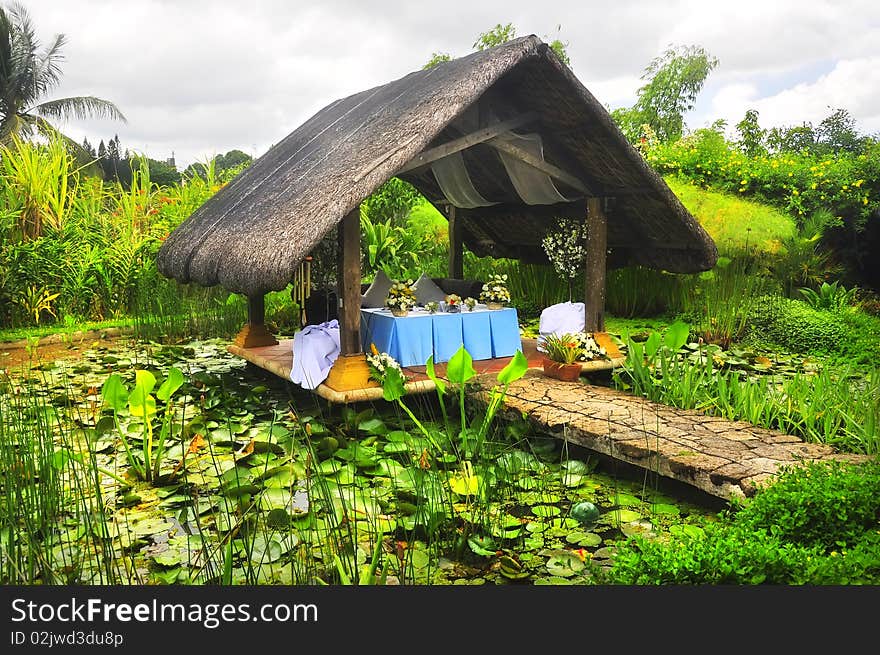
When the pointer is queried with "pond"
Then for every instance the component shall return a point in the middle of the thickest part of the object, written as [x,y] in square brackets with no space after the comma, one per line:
[191,467]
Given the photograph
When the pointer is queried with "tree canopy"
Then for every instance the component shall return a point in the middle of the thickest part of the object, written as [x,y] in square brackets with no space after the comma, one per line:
[28,73]
[673,81]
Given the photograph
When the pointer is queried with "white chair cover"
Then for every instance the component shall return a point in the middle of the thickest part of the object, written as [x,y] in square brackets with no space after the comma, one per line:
[565,317]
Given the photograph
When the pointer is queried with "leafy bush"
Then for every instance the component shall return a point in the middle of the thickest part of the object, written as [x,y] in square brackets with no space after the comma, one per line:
[827,504]
[796,326]
[814,525]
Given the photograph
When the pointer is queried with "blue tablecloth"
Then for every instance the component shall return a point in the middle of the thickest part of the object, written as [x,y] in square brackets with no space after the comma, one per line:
[412,339]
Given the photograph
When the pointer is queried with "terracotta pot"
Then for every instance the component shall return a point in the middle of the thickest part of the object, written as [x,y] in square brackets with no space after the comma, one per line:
[560,371]
[494,305]
[399,312]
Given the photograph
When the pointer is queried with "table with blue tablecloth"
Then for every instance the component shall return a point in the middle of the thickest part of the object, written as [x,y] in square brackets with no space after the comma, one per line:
[411,339]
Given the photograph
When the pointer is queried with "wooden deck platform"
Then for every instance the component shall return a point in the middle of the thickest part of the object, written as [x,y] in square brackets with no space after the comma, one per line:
[278,360]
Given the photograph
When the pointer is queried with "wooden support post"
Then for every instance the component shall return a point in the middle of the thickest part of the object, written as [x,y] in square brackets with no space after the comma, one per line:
[254,334]
[350,283]
[594,277]
[456,263]
[350,370]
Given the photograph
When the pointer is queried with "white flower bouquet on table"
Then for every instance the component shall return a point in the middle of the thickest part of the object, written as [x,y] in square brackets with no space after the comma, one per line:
[495,290]
[401,297]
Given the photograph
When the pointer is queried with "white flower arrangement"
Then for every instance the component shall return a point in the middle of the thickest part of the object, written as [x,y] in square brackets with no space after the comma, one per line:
[470,303]
[380,363]
[432,306]
[589,349]
[495,289]
[566,247]
[401,296]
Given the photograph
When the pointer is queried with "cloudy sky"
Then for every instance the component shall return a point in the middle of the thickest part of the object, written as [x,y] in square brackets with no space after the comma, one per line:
[198,78]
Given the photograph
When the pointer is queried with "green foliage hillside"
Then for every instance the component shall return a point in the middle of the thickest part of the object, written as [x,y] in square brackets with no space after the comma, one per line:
[733,222]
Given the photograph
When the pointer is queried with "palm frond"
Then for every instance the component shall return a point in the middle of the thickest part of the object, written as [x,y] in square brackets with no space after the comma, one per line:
[81,107]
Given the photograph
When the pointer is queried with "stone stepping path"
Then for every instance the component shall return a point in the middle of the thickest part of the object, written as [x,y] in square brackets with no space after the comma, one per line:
[727,459]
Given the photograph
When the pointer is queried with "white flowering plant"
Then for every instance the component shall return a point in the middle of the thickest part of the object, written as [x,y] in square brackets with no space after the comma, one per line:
[566,248]
[588,348]
[380,363]
[495,289]
[470,303]
[401,295]
[432,306]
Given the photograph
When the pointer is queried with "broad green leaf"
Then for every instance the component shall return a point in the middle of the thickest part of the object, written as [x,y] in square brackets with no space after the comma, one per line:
[392,387]
[432,374]
[171,384]
[461,367]
[114,392]
[145,379]
[515,369]
[676,335]
[652,345]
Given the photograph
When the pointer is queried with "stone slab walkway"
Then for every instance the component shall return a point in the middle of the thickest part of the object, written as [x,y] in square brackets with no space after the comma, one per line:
[726,459]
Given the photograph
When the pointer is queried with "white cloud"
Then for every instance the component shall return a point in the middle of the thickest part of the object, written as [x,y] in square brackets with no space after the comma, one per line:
[850,85]
[199,78]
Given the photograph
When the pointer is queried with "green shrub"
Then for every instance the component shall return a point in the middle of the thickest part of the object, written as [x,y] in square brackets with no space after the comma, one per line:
[796,326]
[816,524]
[827,504]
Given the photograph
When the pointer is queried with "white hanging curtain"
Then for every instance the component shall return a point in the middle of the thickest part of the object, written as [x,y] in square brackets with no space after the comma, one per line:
[532,186]
[454,181]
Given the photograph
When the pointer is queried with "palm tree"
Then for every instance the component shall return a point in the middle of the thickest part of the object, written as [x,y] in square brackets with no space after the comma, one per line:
[28,73]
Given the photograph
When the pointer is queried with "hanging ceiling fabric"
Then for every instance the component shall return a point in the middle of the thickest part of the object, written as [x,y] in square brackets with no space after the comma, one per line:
[532,186]
[454,181]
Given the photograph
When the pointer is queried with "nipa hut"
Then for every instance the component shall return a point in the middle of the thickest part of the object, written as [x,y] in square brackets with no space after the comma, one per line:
[504,139]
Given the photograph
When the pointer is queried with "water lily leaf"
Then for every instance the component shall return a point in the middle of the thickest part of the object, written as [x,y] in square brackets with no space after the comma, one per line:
[619,516]
[482,545]
[373,426]
[663,508]
[564,564]
[396,447]
[146,527]
[583,539]
[640,528]
[545,511]
[626,500]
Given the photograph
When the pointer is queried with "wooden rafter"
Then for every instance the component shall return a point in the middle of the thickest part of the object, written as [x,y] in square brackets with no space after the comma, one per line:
[537,163]
[466,141]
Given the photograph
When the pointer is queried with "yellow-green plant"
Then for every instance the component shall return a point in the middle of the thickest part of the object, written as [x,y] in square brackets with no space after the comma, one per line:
[141,403]
[38,181]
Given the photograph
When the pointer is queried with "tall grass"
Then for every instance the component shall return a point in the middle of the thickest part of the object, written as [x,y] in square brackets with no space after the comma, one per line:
[836,406]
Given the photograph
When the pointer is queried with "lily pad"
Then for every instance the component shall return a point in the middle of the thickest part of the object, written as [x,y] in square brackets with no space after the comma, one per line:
[564,563]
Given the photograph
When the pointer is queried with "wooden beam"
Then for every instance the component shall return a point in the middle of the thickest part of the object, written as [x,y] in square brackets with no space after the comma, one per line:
[594,276]
[349,268]
[456,262]
[255,334]
[536,162]
[467,141]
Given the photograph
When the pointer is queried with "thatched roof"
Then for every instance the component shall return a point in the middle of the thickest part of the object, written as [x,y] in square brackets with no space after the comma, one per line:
[253,234]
